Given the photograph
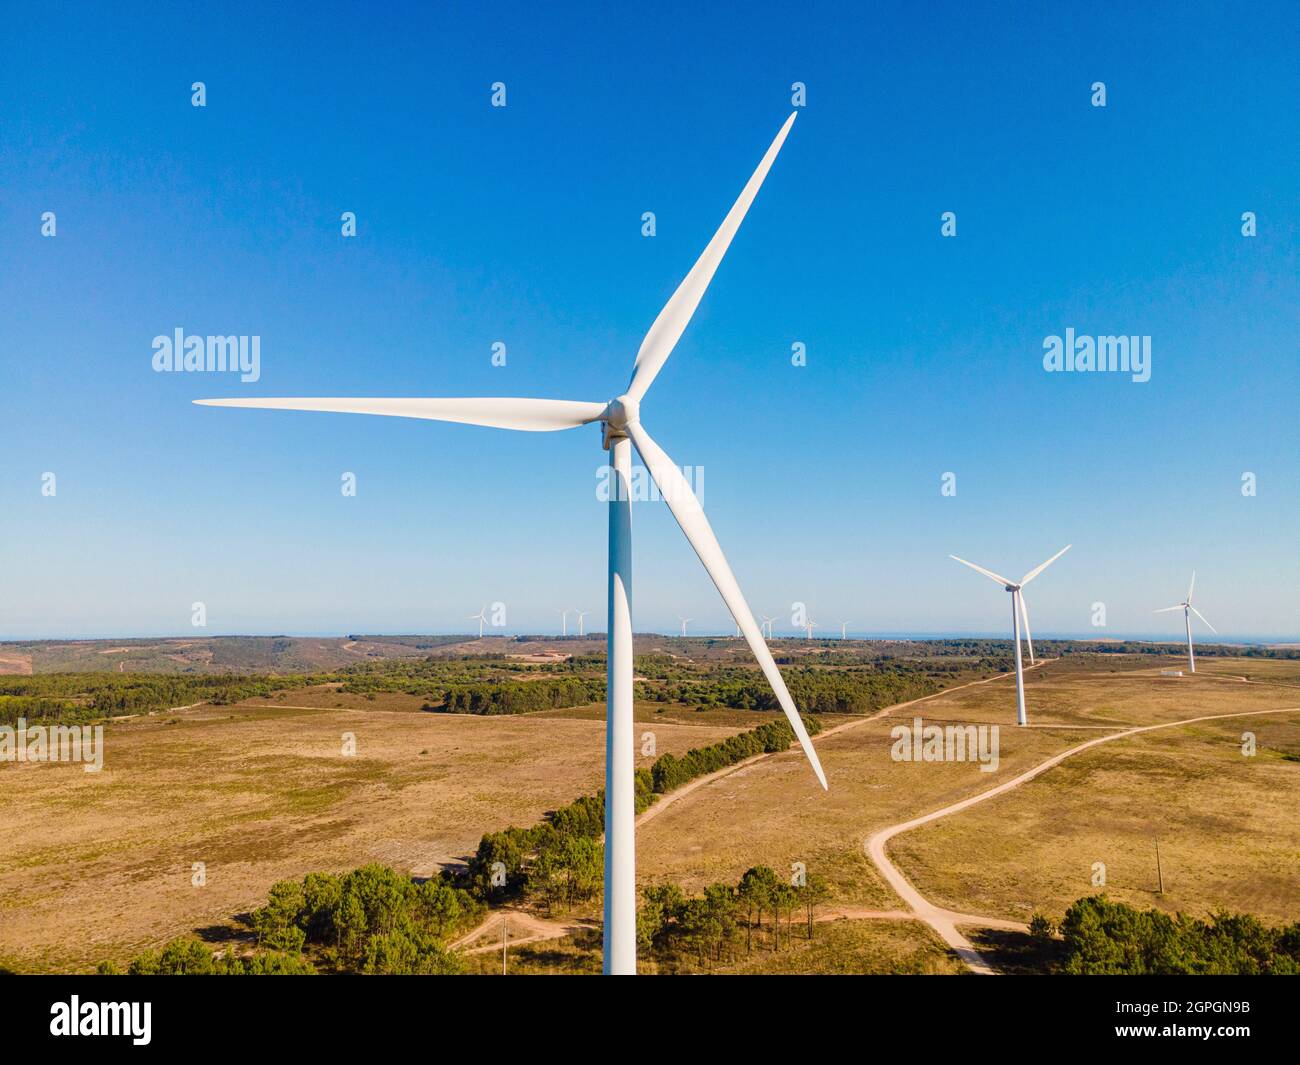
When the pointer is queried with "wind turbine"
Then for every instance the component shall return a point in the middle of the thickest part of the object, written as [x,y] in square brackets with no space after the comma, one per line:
[767,624]
[581,614]
[564,621]
[1018,611]
[620,421]
[844,628]
[480,617]
[1188,610]
[808,626]
[685,622]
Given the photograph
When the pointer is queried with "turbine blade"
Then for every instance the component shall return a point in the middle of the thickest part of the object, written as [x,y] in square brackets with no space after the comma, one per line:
[676,314]
[1024,617]
[1039,569]
[530,415]
[1190,587]
[690,516]
[1166,609]
[980,569]
[1202,617]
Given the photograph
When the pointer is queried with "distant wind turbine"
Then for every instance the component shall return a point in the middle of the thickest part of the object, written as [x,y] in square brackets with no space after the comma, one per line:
[808,626]
[620,419]
[480,617]
[685,622]
[844,628]
[1188,610]
[767,624]
[1018,611]
[564,621]
[581,614]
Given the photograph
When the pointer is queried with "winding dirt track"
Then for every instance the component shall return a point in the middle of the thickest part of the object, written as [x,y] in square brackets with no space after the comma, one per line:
[665,801]
[945,922]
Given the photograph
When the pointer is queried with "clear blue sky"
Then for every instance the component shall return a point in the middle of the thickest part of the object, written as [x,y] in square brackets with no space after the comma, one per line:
[523,224]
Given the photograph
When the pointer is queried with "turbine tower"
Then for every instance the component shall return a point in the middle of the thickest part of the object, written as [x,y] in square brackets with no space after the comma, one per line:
[581,614]
[1018,611]
[480,617]
[767,624]
[808,627]
[685,622]
[1188,610]
[564,621]
[620,421]
[844,628]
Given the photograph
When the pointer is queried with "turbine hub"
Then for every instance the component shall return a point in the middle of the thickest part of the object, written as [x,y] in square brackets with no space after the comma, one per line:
[621,411]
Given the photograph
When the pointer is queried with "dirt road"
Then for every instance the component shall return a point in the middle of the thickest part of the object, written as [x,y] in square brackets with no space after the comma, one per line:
[945,922]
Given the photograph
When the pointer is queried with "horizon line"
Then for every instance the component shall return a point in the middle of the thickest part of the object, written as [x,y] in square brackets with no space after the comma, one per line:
[823,635]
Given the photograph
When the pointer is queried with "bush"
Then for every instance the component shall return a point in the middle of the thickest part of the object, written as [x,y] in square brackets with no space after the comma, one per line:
[189,957]
[1040,927]
[371,920]
[1104,937]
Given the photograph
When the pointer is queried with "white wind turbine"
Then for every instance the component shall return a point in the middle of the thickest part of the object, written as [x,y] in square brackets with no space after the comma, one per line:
[1018,611]
[767,624]
[844,628]
[620,419]
[808,627]
[1188,610]
[564,621]
[480,617]
[685,622]
[581,614]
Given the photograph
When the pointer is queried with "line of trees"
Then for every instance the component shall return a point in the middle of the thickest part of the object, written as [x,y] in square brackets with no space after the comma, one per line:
[707,927]
[670,772]
[73,698]
[430,675]
[189,957]
[1102,937]
[560,861]
[518,697]
[848,691]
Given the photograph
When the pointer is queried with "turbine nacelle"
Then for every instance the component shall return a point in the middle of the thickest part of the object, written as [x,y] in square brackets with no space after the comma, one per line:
[618,415]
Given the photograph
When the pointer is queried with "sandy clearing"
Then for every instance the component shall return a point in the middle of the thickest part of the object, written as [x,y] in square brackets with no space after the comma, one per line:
[521,927]
[14,664]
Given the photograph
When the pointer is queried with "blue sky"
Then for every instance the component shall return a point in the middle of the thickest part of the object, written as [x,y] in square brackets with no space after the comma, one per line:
[523,225]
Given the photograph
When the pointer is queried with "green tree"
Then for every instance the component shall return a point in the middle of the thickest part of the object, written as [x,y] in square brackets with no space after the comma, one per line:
[757,892]
[812,892]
